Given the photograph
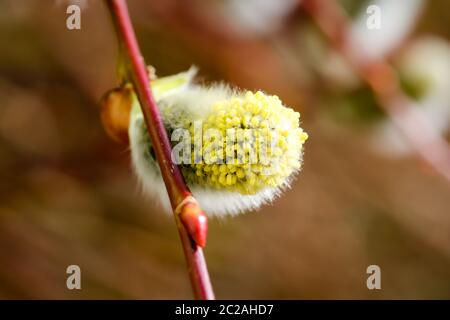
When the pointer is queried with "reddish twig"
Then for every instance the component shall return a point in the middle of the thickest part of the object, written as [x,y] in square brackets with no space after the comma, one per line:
[190,219]
[380,76]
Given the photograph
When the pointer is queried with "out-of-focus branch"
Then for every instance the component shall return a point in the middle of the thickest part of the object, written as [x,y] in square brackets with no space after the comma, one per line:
[429,145]
[190,219]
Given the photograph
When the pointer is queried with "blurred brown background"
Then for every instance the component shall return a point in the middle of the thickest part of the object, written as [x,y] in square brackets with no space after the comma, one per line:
[68,196]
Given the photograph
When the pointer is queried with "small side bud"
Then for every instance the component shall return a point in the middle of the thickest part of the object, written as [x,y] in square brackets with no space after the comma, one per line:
[195,222]
[115,113]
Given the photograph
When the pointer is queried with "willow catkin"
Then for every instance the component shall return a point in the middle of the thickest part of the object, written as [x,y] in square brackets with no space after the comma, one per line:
[237,150]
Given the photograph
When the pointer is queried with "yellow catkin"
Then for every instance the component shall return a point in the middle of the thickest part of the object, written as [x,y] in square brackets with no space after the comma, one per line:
[266,150]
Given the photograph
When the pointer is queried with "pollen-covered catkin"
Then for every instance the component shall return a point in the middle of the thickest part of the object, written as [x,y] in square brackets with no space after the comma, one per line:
[261,144]
[239,149]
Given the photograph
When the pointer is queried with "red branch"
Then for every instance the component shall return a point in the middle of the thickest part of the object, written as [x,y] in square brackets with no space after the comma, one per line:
[380,76]
[190,219]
